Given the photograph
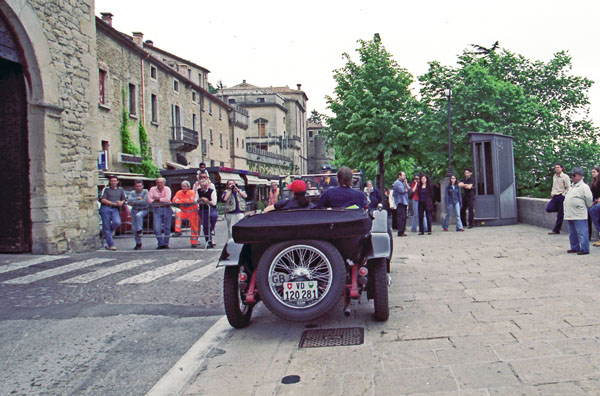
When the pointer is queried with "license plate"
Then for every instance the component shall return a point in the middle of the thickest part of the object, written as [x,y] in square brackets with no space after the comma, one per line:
[300,291]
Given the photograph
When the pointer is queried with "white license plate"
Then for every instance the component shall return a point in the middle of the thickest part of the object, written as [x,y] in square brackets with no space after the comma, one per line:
[300,291]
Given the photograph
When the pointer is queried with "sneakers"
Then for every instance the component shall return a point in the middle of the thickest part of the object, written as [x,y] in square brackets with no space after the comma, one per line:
[445,229]
[138,246]
[553,233]
[460,229]
[597,244]
[572,251]
[581,253]
[113,248]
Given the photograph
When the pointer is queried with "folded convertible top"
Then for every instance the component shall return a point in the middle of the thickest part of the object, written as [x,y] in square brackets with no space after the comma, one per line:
[302,224]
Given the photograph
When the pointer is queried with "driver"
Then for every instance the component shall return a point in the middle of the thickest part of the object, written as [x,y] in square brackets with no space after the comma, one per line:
[298,187]
[343,196]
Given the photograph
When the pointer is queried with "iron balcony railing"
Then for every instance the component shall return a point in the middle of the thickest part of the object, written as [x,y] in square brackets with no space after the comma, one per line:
[184,136]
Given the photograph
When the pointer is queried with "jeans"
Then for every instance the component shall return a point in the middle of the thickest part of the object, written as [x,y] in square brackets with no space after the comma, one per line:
[556,204]
[401,211]
[162,224]
[595,215]
[111,220]
[423,212]
[137,223]
[394,214]
[456,210]
[231,219]
[208,218]
[415,219]
[578,235]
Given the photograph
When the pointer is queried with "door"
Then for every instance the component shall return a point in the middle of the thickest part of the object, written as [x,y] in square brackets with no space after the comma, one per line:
[486,205]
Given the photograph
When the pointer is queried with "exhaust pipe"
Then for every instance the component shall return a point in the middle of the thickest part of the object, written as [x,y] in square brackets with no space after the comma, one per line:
[347,311]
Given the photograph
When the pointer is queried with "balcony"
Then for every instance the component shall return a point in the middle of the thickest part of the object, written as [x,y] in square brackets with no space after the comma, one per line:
[264,156]
[183,139]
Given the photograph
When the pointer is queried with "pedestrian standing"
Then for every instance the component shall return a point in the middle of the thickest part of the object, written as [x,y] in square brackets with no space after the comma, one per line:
[595,209]
[138,199]
[415,203]
[112,199]
[273,194]
[207,197]
[425,204]
[577,201]
[401,190]
[373,195]
[234,203]
[186,199]
[453,203]
[468,199]
[160,198]
[393,211]
[560,185]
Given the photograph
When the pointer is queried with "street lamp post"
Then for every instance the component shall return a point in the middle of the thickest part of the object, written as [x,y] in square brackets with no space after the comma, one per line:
[448,93]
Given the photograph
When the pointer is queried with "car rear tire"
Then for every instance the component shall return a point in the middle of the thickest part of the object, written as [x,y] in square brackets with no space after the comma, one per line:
[238,314]
[380,289]
[304,260]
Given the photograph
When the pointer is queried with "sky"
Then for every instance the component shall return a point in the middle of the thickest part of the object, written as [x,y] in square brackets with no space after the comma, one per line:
[278,43]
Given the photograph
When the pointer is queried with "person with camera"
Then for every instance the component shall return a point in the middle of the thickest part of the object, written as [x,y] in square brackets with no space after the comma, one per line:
[234,203]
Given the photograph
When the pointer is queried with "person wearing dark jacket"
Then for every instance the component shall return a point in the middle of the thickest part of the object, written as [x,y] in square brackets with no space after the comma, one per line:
[298,187]
[425,203]
[373,195]
[453,202]
[595,209]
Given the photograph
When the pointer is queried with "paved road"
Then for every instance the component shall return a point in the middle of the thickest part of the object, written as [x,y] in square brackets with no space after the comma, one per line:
[103,323]
[491,311]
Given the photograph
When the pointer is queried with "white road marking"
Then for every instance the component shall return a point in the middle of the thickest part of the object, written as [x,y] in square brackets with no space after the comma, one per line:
[57,271]
[199,274]
[28,263]
[102,272]
[152,275]
[187,368]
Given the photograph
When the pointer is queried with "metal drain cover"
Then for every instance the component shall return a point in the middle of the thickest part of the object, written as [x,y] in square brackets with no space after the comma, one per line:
[316,338]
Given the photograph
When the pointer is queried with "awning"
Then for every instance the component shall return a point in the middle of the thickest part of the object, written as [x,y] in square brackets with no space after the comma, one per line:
[254,180]
[231,176]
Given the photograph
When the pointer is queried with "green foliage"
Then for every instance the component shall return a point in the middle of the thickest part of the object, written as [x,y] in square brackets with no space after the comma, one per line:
[268,169]
[129,147]
[372,104]
[148,168]
[144,142]
[540,104]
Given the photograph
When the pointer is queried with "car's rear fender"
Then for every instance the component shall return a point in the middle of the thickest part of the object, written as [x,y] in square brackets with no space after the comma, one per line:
[231,254]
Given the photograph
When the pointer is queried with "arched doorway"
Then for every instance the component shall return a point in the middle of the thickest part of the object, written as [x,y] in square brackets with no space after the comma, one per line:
[15,232]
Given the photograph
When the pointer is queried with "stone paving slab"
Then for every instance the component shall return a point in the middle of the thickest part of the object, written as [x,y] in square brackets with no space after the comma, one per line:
[491,311]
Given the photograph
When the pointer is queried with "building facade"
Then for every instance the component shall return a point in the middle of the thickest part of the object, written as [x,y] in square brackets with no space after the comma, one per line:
[276,136]
[318,153]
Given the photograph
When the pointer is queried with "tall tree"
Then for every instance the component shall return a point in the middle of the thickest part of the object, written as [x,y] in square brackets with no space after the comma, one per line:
[371,106]
[540,104]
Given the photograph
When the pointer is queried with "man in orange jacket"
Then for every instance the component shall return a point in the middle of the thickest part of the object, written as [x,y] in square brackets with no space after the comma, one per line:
[189,210]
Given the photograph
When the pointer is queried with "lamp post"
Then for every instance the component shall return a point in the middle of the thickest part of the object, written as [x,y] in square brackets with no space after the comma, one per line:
[448,93]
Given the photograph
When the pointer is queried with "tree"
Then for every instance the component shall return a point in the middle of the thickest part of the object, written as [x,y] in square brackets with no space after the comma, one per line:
[316,117]
[371,106]
[540,104]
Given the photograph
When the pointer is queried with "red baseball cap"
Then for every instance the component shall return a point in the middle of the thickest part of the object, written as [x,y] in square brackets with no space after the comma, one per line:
[298,186]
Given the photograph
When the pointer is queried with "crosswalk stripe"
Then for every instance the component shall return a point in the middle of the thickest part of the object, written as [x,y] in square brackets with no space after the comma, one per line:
[28,263]
[103,272]
[199,274]
[152,275]
[56,271]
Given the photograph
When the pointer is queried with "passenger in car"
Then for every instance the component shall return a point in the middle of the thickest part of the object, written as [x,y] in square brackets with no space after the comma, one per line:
[298,188]
[343,196]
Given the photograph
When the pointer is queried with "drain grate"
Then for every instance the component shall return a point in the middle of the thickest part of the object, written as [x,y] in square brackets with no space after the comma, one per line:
[316,338]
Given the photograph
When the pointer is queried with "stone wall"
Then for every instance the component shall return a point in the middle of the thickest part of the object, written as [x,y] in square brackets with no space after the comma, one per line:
[533,211]
[59,46]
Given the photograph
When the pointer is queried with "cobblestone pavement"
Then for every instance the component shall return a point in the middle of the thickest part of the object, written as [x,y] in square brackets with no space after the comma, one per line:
[491,311]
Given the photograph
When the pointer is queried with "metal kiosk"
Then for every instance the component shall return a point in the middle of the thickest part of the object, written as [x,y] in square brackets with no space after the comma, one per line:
[494,174]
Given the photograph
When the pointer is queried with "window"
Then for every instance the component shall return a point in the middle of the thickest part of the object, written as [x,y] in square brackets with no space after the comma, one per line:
[193,96]
[221,163]
[176,122]
[237,142]
[102,82]
[227,144]
[175,85]
[220,116]
[260,100]
[210,135]
[261,125]
[194,120]
[132,104]
[189,74]
[154,107]
[200,79]
[153,72]
[220,140]
[310,133]
[209,107]
[231,101]
[242,143]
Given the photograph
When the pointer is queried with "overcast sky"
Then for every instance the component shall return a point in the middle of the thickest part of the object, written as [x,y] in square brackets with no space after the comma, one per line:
[275,43]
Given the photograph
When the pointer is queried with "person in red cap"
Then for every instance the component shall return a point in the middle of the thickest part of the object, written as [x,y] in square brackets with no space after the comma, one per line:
[298,188]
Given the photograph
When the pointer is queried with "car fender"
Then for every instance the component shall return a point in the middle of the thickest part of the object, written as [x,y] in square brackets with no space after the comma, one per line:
[230,255]
[381,246]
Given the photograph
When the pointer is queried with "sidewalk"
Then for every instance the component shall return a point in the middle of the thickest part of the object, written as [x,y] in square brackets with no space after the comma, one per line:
[491,311]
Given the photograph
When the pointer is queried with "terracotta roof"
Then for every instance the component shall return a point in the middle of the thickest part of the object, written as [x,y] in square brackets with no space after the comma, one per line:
[244,85]
[314,125]
[187,62]
[128,41]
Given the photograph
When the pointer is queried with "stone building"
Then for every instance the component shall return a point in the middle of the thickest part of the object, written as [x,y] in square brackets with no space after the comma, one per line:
[276,135]
[318,153]
[163,92]
[48,79]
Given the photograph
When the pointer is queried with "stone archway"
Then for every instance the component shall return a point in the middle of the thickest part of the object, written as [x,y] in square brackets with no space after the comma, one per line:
[15,233]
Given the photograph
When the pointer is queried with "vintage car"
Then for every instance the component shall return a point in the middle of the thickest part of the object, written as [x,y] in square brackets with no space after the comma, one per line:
[300,262]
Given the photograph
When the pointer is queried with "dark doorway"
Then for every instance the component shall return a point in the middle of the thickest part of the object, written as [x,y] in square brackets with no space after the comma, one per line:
[15,232]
